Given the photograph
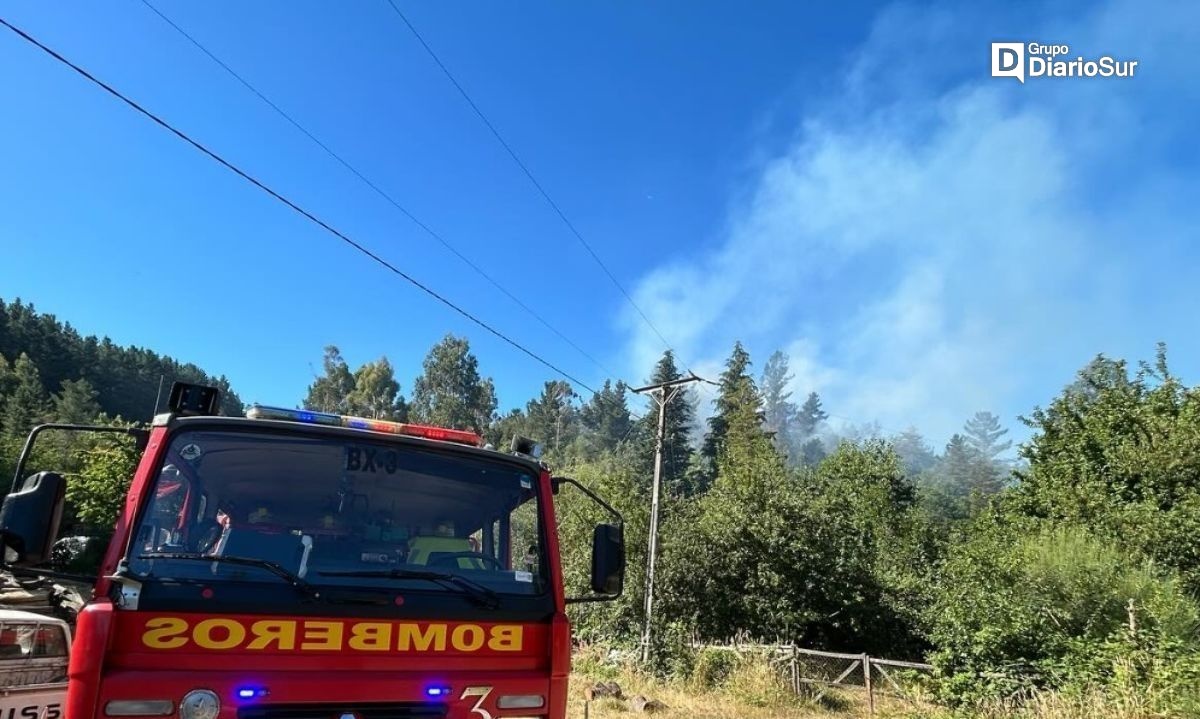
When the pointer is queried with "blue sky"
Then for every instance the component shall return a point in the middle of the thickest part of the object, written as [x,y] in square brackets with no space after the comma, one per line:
[847,183]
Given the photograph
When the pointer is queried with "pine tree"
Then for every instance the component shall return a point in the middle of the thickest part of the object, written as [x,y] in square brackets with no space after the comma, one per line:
[606,417]
[780,414]
[7,381]
[738,417]
[126,379]
[811,416]
[966,472]
[918,457]
[6,378]
[231,404]
[551,417]
[76,402]
[958,464]
[986,479]
[450,391]
[680,420]
[983,432]
[26,404]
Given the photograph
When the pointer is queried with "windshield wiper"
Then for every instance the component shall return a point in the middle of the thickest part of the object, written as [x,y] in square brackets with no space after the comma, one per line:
[274,568]
[478,593]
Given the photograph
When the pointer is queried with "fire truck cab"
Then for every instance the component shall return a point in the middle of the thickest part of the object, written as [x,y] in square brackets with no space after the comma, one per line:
[292,564]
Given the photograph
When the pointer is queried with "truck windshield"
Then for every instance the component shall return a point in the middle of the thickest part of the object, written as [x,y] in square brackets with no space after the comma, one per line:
[339,510]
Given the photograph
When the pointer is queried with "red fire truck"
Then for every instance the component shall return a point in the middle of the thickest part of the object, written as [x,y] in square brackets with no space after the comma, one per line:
[292,564]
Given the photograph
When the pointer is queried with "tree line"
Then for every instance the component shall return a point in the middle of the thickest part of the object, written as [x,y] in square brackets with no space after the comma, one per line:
[1068,563]
[50,372]
[451,392]
[1070,566]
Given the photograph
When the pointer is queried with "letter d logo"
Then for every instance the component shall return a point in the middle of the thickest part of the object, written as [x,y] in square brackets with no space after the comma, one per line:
[1008,60]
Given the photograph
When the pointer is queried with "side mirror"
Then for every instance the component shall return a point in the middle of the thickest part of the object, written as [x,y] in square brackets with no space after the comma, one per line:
[29,519]
[608,550]
[608,559]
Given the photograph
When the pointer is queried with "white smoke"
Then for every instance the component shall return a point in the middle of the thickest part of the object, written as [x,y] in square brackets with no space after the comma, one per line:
[926,248]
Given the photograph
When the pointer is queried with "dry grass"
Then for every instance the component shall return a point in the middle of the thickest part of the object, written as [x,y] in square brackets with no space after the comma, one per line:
[751,689]
[745,698]
[716,704]
[1090,706]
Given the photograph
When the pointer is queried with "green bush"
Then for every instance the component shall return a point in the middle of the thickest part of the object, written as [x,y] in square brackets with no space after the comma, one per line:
[713,667]
[592,660]
[1022,606]
[1158,674]
[97,490]
[672,655]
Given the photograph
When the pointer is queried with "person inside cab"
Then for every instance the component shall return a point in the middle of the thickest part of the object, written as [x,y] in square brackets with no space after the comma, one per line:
[263,535]
[444,549]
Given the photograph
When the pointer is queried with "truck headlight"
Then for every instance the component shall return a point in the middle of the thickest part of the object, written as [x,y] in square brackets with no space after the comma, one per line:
[199,704]
[139,708]
[521,701]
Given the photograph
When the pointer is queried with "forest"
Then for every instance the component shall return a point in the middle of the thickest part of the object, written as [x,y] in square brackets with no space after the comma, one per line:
[1065,565]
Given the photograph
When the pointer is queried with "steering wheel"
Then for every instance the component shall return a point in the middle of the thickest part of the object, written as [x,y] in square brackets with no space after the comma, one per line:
[451,559]
[207,535]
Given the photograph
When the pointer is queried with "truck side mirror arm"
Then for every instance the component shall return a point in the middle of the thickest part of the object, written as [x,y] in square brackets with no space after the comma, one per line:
[608,550]
[141,436]
[31,513]
[557,482]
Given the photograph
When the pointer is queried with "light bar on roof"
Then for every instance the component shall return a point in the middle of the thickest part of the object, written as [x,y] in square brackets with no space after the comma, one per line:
[257,411]
[373,425]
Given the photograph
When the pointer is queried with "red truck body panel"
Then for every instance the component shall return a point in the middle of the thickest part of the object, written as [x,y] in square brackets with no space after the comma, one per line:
[138,654]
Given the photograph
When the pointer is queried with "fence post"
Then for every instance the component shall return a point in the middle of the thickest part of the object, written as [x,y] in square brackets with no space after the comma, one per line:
[795,669]
[866,664]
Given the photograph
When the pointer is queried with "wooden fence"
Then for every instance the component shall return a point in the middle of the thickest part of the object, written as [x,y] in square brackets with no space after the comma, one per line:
[815,672]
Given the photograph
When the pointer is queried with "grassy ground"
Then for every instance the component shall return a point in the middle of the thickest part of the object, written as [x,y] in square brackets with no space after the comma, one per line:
[753,695]
[746,698]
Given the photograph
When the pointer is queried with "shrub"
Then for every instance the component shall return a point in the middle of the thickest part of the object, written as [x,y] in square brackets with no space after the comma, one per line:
[753,681]
[713,667]
[672,655]
[595,661]
[1141,671]
[1022,607]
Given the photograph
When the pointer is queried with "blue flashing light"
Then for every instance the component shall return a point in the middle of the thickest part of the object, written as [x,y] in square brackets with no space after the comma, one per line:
[259,411]
[251,692]
[437,691]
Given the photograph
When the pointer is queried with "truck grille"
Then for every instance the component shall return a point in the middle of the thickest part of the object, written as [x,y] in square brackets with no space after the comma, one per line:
[385,710]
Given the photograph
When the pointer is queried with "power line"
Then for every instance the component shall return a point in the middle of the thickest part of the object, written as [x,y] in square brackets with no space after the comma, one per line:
[292,205]
[529,174]
[378,190]
[662,393]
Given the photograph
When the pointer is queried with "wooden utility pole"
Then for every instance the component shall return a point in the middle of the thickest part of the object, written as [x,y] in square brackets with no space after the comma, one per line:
[662,394]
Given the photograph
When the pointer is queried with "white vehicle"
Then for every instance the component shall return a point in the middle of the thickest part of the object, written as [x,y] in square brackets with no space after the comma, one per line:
[33,665]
